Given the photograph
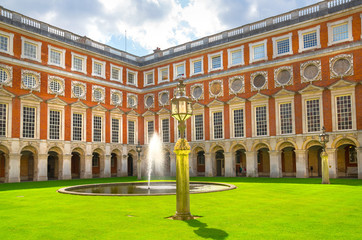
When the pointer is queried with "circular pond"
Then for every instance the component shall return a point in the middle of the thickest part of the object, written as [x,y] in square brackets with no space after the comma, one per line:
[141,188]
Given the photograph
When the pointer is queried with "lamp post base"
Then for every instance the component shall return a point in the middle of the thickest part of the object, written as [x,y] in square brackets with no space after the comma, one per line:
[183,217]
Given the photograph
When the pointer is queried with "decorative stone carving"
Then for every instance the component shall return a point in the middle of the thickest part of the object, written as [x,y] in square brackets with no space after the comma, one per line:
[341,65]
[116,97]
[216,88]
[98,94]
[79,90]
[236,85]
[283,76]
[310,71]
[6,75]
[132,100]
[259,80]
[197,91]
[30,80]
[149,101]
[163,98]
[56,85]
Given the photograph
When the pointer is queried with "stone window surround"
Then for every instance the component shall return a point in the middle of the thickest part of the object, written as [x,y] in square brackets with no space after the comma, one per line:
[278,70]
[251,51]
[146,120]
[37,45]
[160,118]
[37,75]
[192,65]
[84,62]
[103,69]
[301,42]
[81,84]
[233,107]
[259,103]
[102,89]
[135,73]
[160,69]
[61,82]
[281,100]
[159,98]
[102,115]
[230,51]
[119,117]
[211,111]
[136,99]
[211,56]
[82,112]
[275,47]
[9,82]
[32,104]
[10,37]
[62,56]
[193,125]
[8,101]
[145,99]
[120,78]
[114,91]
[145,75]
[135,120]
[331,25]
[54,107]
[175,65]
[343,92]
[307,97]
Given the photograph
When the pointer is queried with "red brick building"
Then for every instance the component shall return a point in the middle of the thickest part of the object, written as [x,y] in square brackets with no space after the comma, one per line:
[71,107]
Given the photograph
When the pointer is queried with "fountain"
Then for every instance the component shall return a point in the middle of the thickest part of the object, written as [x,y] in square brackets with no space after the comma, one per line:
[155,158]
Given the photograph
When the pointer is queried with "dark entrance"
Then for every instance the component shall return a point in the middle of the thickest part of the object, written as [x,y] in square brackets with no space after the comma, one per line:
[27,166]
[114,165]
[2,166]
[53,165]
[130,164]
[75,165]
[219,156]
[201,163]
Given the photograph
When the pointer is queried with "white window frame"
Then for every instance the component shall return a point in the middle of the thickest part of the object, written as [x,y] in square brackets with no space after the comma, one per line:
[145,75]
[254,105]
[162,117]
[192,67]
[339,93]
[193,124]
[332,25]
[160,74]
[103,68]
[31,104]
[135,120]
[10,37]
[231,51]
[283,100]
[62,56]
[146,120]
[32,42]
[211,56]
[135,78]
[275,45]
[306,31]
[53,107]
[84,63]
[308,97]
[251,51]
[102,115]
[8,121]
[84,123]
[175,65]
[120,69]
[231,113]
[211,111]
[119,117]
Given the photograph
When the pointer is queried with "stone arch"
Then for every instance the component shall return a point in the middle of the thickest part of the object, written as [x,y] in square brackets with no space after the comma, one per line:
[314,149]
[217,160]
[55,163]
[339,141]
[238,159]
[116,162]
[310,143]
[132,162]
[197,147]
[346,156]
[236,146]
[4,163]
[287,157]
[284,144]
[216,148]
[29,163]
[197,160]
[259,145]
[98,159]
[78,163]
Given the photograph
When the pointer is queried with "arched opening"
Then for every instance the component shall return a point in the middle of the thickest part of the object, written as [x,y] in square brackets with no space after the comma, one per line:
[263,162]
[167,166]
[2,166]
[347,161]
[314,161]
[114,165]
[75,165]
[96,159]
[240,162]
[220,163]
[53,165]
[130,164]
[27,166]
[288,162]
[200,161]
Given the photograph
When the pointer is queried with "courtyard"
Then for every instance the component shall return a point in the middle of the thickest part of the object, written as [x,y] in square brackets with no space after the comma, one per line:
[260,208]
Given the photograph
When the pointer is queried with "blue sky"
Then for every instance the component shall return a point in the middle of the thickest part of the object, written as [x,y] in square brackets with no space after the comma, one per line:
[150,23]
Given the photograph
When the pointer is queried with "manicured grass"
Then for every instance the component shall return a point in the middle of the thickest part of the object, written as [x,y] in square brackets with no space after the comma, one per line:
[260,208]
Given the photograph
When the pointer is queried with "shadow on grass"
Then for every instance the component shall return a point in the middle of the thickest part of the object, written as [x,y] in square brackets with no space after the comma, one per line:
[205,232]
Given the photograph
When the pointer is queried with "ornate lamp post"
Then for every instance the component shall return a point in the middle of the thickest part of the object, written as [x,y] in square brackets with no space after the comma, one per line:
[324,138]
[139,150]
[181,109]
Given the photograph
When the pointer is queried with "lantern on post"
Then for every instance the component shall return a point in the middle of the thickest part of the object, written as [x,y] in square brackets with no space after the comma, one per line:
[324,138]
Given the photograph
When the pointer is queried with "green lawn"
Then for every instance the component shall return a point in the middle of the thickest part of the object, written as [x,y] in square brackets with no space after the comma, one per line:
[260,208]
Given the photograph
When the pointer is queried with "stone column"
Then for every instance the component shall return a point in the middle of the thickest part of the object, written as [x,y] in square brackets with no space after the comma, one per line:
[332,162]
[301,163]
[124,165]
[41,168]
[359,162]
[13,168]
[67,167]
[208,165]
[107,166]
[275,164]
[229,165]
[251,164]
[173,164]
[88,166]
[325,170]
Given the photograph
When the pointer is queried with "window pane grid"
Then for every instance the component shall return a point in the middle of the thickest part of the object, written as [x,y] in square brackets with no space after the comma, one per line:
[131,132]
[3,75]
[97,129]
[199,127]
[283,46]
[313,115]
[28,122]
[259,52]
[310,39]
[29,50]
[344,112]
[77,126]
[286,125]
[164,74]
[97,69]
[4,43]
[261,121]
[55,57]
[216,62]
[165,130]
[218,128]
[78,63]
[197,66]
[150,130]
[238,123]
[149,78]
[115,130]
[115,73]
[236,57]
[180,70]
[130,78]
[54,124]
[2,120]
[340,32]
